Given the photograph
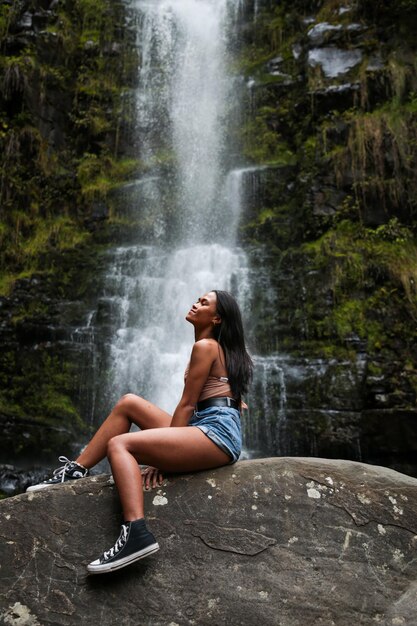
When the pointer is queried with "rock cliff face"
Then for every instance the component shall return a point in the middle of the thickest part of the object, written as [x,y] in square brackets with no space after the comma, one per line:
[329,127]
[286,541]
[67,69]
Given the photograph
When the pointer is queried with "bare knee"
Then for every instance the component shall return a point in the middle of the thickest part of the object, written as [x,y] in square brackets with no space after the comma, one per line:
[115,445]
[128,399]
[136,410]
[126,403]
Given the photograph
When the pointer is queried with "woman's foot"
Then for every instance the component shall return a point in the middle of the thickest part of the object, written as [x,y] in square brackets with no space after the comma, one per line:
[69,471]
[134,543]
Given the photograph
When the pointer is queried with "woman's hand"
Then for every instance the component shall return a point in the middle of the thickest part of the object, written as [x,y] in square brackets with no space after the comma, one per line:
[151,477]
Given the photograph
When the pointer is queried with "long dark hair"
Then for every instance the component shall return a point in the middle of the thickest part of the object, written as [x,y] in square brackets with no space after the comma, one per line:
[229,333]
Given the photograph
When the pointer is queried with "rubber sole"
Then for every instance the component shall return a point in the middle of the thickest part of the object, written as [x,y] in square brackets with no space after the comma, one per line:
[106,568]
[41,486]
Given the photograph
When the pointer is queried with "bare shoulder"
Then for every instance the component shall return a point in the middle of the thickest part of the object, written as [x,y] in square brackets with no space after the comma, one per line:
[205,348]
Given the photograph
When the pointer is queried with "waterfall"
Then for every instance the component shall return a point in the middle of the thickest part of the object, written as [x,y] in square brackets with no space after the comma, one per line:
[266,423]
[185,201]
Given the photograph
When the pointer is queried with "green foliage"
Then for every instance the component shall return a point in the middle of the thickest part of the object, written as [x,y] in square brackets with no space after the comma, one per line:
[262,145]
[17,74]
[273,34]
[8,13]
[44,207]
[368,270]
[378,155]
[97,176]
[351,176]
[62,107]
[39,402]
[95,18]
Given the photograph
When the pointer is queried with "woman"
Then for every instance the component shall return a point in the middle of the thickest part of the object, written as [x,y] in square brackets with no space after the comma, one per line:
[203,433]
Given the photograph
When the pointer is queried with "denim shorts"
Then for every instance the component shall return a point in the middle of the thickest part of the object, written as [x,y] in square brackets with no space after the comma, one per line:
[222,425]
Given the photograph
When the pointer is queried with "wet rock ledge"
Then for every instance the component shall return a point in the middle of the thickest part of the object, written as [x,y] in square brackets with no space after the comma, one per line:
[291,541]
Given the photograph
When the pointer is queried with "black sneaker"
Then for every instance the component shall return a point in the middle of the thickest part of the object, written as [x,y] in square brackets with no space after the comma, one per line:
[135,542]
[70,471]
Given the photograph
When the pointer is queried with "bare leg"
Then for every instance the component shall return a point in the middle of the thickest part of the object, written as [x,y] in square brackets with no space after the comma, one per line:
[129,410]
[183,449]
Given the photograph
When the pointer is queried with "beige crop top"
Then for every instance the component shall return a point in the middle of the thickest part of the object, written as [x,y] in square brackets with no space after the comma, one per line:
[214,387]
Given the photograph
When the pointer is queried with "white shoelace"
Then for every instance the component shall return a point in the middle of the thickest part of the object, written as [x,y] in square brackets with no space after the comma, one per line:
[118,545]
[60,471]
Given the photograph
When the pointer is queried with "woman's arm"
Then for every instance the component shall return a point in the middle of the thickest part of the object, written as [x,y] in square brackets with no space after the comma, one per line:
[203,355]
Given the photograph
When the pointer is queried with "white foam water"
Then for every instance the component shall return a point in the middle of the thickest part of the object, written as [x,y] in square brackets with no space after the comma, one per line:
[184,97]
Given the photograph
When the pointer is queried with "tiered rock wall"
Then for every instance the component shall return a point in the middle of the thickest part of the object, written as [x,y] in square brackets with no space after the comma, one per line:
[67,70]
[330,131]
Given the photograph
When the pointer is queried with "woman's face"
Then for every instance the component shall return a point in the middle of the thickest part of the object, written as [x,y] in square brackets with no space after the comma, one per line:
[203,313]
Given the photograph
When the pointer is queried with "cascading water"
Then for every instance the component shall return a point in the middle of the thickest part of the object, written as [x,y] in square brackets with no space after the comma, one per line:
[184,100]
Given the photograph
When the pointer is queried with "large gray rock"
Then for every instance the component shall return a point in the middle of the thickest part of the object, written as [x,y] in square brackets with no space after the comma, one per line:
[285,541]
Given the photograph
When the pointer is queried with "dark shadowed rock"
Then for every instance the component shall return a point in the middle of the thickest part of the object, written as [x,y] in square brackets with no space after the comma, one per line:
[289,541]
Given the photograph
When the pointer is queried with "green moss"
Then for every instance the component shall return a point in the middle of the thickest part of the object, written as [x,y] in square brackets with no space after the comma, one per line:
[274,33]
[351,318]
[309,149]
[6,283]
[98,176]
[44,208]
[59,158]
[391,247]
[32,239]
[45,399]
[341,233]
[5,17]
[380,150]
[253,60]
[61,233]
[380,266]
[262,145]
[55,404]
[374,369]
[33,309]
